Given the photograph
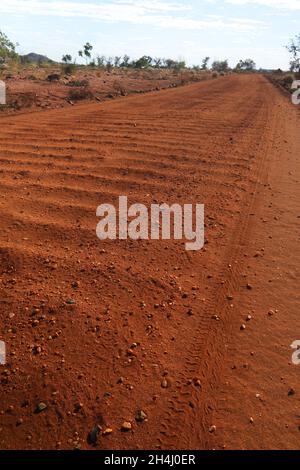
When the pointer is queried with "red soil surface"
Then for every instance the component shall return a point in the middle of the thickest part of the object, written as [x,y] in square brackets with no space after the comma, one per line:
[145,311]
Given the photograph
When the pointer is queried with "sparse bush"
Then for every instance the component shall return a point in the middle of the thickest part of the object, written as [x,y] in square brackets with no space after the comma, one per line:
[119,88]
[143,62]
[287,81]
[100,60]
[80,94]
[126,61]
[68,69]
[220,66]
[215,75]
[53,77]
[109,64]
[78,83]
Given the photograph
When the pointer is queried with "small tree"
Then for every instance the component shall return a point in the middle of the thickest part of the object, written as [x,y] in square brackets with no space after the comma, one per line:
[67,59]
[86,52]
[125,61]
[144,62]
[157,62]
[170,63]
[204,64]
[7,48]
[294,49]
[247,65]
[180,65]
[109,64]
[220,66]
[100,60]
[68,67]
[117,61]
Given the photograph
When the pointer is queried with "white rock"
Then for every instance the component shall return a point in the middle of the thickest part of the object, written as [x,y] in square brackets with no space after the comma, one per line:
[2,353]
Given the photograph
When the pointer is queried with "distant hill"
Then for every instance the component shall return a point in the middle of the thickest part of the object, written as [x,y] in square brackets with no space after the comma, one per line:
[35,58]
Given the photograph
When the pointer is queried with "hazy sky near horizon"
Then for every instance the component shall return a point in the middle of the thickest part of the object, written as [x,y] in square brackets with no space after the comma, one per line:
[188,29]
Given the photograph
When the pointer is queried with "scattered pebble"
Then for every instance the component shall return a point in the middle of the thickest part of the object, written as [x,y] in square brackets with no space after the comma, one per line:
[126,426]
[41,407]
[140,416]
[243,327]
[212,429]
[164,383]
[197,382]
[107,431]
[216,317]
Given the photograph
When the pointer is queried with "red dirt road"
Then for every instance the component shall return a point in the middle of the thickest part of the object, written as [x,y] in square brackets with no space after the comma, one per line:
[232,144]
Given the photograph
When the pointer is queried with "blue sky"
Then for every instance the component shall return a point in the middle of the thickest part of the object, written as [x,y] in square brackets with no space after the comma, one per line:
[188,29]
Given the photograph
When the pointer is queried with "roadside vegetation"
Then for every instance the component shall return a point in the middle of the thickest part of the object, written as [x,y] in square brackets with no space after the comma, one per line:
[286,80]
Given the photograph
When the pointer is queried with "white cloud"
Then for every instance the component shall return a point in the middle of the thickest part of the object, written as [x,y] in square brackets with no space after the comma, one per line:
[282,4]
[147,12]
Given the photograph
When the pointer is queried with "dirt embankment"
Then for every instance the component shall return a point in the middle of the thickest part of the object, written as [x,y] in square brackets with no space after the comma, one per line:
[33,88]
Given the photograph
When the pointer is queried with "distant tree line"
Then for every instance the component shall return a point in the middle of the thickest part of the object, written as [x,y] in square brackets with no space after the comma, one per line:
[146,62]
[8,51]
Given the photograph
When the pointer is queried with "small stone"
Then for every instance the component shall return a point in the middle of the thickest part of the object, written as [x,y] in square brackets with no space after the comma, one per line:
[164,383]
[197,383]
[19,422]
[37,350]
[126,426]
[251,420]
[140,416]
[249,318]
[249,287]
[78,406]
[107,431]
[271,313]
[70,302]
[216,317]
[291,392]
[229,297]
[212,429]
[41,407]
[93,435]
[243,327]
